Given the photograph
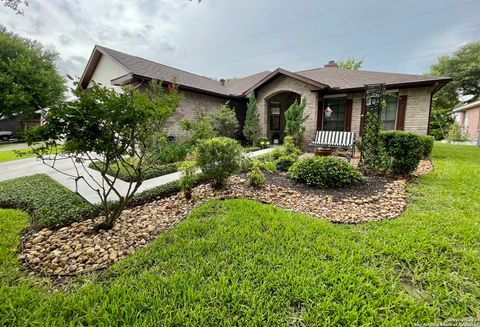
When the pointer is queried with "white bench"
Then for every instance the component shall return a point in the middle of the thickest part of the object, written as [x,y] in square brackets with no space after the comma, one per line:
[336,140]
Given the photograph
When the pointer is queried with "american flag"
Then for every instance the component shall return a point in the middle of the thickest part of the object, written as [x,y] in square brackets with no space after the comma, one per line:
[43,114]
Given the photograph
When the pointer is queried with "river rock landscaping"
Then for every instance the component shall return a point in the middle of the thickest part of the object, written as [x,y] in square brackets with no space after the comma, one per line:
[77,248]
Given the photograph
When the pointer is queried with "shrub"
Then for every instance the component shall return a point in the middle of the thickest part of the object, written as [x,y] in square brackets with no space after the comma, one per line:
[169,152]
[290,147]
[49,203]
[224,121]
[201,129]
[294,122]
[127,174]
[428,142]
[286,161]
[218,158]
[255,177]
[454,134]
[187,178]
[263,142]
[404,149]
[325,172]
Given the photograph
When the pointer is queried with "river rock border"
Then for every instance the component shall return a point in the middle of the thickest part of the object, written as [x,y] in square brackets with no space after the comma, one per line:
[76,248]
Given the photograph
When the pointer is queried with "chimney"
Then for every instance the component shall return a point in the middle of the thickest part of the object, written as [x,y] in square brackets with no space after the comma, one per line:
[331,63]
[222,81]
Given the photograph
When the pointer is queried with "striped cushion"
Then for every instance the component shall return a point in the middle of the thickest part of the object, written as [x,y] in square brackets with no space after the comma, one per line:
[334,138]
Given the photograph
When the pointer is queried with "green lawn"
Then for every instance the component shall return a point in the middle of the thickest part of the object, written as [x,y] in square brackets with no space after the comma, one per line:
[239,262]
[12,154]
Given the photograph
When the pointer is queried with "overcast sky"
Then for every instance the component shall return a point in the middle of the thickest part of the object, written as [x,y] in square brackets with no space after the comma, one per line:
[234,38]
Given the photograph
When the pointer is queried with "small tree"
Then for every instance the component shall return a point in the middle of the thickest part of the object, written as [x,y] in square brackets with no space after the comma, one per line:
[108,130]
[252,129]
[294,122]
[188,177]
[224,121]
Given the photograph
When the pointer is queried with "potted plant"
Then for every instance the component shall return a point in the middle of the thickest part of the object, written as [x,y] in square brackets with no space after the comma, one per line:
[322,152]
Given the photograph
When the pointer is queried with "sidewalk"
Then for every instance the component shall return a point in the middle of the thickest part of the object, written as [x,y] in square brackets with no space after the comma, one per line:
[32,166]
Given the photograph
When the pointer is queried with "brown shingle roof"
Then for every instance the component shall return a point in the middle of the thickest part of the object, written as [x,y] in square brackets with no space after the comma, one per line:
[331,77]
[345,79]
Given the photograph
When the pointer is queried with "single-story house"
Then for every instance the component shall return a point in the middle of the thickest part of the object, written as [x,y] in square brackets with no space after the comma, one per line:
[468,117]
[335,97]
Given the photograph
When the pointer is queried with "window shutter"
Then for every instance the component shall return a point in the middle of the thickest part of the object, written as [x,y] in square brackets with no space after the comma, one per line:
[362,118]
[348,115]
[320,116]
[401,110]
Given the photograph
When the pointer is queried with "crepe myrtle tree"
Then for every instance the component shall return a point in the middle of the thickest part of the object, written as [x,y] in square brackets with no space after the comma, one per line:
[108,130]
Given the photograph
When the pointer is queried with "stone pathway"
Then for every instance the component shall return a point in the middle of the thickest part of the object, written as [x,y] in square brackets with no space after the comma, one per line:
[31,166]
[76,248]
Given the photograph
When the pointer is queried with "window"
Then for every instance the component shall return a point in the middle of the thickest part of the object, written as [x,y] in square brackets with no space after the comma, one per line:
[389,113]
[275,116]
[336,121]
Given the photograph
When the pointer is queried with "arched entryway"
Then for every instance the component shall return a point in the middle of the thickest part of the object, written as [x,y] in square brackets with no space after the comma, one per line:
[277,104]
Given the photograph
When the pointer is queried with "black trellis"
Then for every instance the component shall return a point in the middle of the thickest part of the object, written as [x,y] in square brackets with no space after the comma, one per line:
[372,155]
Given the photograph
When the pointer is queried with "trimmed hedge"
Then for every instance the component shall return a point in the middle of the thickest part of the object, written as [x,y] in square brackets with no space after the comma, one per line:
[152,172]
[405,150]
[49,203]
[325,172]
[428,142]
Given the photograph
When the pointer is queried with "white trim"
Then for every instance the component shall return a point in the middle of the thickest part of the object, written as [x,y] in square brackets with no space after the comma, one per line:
[466,107]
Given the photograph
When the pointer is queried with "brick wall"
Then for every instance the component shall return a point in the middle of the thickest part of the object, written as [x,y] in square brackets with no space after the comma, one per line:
[282,84]
[416,116]
[418,109]
[192,106]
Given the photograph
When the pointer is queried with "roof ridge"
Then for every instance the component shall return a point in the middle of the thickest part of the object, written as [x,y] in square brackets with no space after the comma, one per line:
[157,63]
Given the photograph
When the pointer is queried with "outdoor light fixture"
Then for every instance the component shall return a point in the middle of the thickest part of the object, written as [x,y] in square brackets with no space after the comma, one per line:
[374,93]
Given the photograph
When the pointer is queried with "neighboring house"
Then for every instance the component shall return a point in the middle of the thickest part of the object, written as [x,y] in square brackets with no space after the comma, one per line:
[468,117]
[18,123]
[340,90]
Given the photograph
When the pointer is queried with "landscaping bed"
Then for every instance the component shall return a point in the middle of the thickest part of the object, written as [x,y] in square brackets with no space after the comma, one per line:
[46,251]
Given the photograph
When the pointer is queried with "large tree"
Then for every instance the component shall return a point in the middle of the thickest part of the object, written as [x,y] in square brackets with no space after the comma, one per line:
[29,79]
[464,67]
[15,5]
[351,63]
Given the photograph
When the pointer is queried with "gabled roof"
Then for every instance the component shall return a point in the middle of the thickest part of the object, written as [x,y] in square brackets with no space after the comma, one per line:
[330,77]
[467,106]
[314,85]
[346,79]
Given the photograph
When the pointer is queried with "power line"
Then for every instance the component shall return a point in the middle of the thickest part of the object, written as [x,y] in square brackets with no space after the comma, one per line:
[339,35]
[328,56]
[300,21]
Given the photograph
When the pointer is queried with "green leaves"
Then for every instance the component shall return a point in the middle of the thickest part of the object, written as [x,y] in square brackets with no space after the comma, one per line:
[404,149]
[252,128]
[325,172]
[464,67]
[28,76]
[225,121]
[218,158]
[294,122]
